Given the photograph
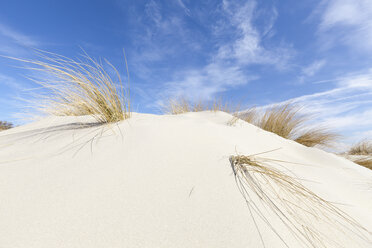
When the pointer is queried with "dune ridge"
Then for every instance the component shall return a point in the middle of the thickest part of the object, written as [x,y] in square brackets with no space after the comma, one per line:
[159,181]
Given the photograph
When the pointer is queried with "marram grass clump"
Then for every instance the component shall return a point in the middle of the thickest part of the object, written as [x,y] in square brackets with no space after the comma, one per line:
[361,153]
[4,125]
[365,161]
[286,121]
[270,191]
[83,86]
[183,105]
[361,148]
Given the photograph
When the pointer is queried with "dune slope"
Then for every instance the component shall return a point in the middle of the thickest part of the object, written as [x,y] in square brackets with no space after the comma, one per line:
[160,181]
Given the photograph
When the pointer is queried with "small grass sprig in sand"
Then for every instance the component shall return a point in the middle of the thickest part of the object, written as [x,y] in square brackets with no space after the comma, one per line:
[4,125]
[182,105]
[80,87]
[299,210]
[286,121]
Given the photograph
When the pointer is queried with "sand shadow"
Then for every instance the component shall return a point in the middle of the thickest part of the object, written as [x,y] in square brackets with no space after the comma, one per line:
[94,131]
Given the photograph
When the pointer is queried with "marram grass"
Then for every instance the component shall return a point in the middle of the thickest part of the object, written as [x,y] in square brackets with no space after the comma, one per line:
[361,153]
[361,148]
[366,162]
[183,105]
[4,125]
[83,86]
[283,120]
[303,213]
[286,121]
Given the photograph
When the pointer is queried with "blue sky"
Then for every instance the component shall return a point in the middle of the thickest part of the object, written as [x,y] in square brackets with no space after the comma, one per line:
[315,53]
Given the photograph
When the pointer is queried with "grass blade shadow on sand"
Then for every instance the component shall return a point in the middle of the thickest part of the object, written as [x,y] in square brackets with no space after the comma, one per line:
[82,133]
[76,87]
[297,208]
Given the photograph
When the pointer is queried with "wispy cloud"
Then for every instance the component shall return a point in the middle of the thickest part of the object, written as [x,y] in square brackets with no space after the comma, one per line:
[228,66]
[311,70]
[163,32]
[14,43]
[183,6]
[17,37]
[347,107]
[10,82]
[204,83]
[247,48]
[348,22]
[163,37]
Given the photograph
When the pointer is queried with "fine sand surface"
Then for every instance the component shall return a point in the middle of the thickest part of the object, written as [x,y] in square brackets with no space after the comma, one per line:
[159,181]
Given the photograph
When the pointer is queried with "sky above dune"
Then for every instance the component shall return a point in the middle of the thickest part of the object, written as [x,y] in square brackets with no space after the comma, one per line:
[315,53]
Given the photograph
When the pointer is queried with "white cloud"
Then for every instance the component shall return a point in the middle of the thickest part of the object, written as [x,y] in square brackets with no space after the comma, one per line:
[247,48]
[313,68]
[17,37]
[153,12]
[346,108]
[227,68]
[14,43]
[10,82]
[182,4]
[348,22]
[206,82]
[162,38]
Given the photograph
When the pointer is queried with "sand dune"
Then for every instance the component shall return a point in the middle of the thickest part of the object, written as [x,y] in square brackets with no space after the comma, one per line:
[162,181]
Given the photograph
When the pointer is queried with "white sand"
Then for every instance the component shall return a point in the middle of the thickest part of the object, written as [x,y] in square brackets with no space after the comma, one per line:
[155,181]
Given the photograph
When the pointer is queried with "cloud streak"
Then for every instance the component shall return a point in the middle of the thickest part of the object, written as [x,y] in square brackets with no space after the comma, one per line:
[15,43]
[310,70]
[205,83]
[17,37]
[247,48]
[348,22]
[229,64]
[345,108]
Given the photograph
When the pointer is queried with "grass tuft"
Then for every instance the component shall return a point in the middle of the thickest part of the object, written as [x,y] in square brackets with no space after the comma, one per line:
[362,148]
[317,136]
[286,121]
[303,213]
[282,120]
[366,162]
[182,105]
[179,106]
[4,125]
[361,153]
[82,86]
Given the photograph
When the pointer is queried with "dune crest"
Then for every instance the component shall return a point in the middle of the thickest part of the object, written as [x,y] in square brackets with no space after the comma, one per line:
[165,181]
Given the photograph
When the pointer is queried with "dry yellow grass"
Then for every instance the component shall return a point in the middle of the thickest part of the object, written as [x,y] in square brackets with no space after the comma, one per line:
[251,116]
[317,136]
[366,162]
[361,148]
[286,121]
[182,105]
[4,125]
[179,106]
[361,153]
[299,209]
[282,120]
[80,87]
